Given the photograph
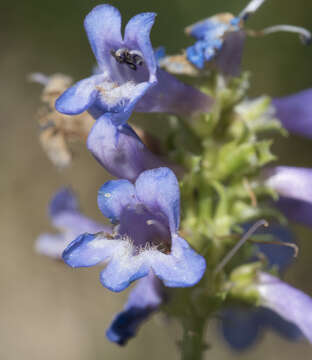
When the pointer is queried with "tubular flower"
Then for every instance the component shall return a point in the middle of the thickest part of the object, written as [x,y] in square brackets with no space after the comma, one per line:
[66,217]
[125,158]
[293,184]
[221,37]
[126,71]
[241,327]
[143,301]
[146,237]
[295,112]
[289,303]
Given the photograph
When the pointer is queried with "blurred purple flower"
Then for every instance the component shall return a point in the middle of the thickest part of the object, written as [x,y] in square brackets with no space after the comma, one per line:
[66,217]
[289,303]
[293,184]
[146,238]
[221,37]
[143,301]
[127,70]
[125,158]
[241,327]
[295,112]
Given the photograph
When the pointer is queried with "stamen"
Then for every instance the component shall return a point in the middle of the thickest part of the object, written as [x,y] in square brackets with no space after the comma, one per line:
[241,242]
[250,9]
[304,34]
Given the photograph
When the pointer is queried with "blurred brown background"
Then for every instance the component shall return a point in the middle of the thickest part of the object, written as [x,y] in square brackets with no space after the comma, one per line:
[47,310]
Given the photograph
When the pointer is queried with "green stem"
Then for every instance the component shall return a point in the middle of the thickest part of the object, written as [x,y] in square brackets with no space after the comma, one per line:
[193,345]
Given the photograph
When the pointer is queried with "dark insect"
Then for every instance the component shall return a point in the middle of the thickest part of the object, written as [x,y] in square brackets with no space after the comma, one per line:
[132,58]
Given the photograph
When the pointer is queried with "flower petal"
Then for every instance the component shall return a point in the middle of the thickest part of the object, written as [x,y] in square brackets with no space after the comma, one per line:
[183,267]
[295,112]
[296,210]
[80,96]
[114,196]
[291,182]
[172,96]
[124,267]
[74,224]
[240,327]
[51,245]
[158,189]
[284,328]
[144,299]
[291,304]
[90,249]
[63,200]
[103,27]
[229,59]
[137,34]
[125,157]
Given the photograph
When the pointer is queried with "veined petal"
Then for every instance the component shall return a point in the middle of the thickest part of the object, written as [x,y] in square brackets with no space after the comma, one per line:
[119,150]
[63,200]
[172,96]
[80,96]
[291,304]
[103,27]
[158,189]
[51,245]
[295,112]
[291,182]
[183,267]
[144,299]
[137,34]
[114,196]
[90,249]
[124,267]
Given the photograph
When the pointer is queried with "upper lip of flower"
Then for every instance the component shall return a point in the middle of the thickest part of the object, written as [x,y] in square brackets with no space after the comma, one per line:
[127,66]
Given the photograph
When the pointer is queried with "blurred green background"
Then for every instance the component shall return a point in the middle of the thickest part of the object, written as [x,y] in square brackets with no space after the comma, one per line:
[47,310]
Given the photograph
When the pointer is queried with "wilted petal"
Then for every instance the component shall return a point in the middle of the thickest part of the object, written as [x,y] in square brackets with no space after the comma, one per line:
[291,304]
[291,182]
[103,27]
[158,189]
[144,299]
[80,96]
[90,249]
[120,151]
[114,196]
[137,35]
[183,267]
[295,112]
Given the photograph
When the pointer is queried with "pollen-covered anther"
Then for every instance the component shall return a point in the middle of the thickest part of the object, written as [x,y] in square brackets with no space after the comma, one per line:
[114,94]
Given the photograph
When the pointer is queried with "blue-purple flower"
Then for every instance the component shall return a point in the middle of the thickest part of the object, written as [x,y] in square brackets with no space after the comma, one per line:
[145,299]
[221,38]
[127,70]
[295,112]
[145,239]
[125,158]
[240,326]
[66,217]
[289,303]
[293,184]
